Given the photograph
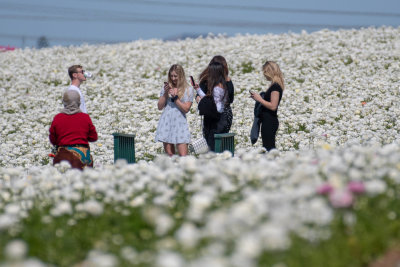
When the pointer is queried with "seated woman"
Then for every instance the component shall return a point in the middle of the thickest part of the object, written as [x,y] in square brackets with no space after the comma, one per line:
[71,131]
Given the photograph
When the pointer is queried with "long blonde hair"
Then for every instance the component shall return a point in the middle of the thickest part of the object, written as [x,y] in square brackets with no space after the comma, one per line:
[272,72]
[182,83]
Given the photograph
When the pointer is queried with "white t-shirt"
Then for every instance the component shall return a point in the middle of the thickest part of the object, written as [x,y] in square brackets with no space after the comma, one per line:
[82,106]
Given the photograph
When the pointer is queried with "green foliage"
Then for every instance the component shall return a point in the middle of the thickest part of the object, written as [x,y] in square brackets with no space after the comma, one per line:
[153,97]
[348,60]
[45,161]
[101,72]
[63,243]
[247,67]
[349,245]
[53,82]
[147,157]
[66,240]
[339,118]
[296,145]
[303,128]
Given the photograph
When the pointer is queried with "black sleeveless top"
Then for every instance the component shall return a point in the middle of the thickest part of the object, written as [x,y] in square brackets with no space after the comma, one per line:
[267,97]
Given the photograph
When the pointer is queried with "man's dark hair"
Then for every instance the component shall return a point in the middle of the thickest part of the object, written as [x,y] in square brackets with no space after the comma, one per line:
[73,69]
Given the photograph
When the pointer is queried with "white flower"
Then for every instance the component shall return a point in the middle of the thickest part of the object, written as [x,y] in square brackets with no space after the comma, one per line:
[199,203]
[163,224]
[275,237]
[169,259]
[129,254]
[62,208]
[375,187]
[16,249]
[100,259]
[250,244]
[12,209]
[7,221]
[188,235]
[92,207]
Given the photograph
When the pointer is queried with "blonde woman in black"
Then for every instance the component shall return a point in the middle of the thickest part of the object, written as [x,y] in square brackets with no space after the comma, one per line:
[270,102]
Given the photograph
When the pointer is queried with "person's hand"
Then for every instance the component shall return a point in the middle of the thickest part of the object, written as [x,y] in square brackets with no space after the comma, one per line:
[166,88]
[196,86]
[256,96]
[173,91]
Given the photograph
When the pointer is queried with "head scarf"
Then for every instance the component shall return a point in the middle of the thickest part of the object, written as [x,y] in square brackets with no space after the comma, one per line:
[71,101]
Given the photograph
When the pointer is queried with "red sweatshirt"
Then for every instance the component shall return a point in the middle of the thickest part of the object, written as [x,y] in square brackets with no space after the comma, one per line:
[72,129]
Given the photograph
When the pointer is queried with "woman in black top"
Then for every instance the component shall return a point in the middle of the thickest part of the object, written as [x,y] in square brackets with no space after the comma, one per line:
[214,110]
[270,102]
[227,115]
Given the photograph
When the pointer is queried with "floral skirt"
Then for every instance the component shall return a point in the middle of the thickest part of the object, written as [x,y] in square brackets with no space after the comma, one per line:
[78,157]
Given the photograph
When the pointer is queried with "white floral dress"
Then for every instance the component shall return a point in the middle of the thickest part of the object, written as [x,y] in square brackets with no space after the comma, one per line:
[173,127]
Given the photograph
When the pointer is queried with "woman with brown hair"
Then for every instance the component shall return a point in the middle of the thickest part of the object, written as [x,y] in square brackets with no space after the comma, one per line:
[270,102]
[176,98]
[215,119]
[203,78]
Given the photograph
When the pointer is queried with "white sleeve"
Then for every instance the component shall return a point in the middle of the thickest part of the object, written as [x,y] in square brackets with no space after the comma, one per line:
[219,98]
[200,92]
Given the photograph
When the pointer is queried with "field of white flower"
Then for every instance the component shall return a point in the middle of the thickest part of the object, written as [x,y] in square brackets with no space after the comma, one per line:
[329,196]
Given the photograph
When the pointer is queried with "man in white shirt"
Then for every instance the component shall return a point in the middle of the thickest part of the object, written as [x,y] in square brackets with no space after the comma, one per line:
[77,75]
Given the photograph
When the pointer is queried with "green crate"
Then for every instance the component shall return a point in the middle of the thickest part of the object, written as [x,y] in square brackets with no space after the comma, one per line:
[124,147]
[225,141]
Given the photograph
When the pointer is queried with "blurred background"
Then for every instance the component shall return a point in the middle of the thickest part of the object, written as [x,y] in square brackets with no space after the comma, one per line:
[43,23]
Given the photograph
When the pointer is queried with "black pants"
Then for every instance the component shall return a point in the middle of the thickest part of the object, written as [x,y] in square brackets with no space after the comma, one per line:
[213,126]
[269,127]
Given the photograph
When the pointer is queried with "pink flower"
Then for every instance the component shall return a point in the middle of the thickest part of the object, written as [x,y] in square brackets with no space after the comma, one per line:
[325,189]
[341,198]
[356,187]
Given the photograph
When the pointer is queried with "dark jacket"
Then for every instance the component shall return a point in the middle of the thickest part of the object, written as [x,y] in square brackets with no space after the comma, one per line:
[255,129]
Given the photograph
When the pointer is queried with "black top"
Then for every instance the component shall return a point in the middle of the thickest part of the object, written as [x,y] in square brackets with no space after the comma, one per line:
[229,85]
[267,97]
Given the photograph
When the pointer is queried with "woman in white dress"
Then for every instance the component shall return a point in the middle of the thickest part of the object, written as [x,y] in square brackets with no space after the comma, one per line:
[176,99]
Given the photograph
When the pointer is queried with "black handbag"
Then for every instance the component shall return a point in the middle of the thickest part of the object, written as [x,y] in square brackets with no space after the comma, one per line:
[255,129]
[208,108]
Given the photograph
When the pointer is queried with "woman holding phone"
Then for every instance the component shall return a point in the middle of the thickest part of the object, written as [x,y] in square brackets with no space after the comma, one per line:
[227,112]
[218,92]
[269,103]
[175,100]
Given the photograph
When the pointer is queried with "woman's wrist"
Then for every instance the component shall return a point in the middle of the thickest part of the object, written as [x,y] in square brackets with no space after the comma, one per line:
[174,98]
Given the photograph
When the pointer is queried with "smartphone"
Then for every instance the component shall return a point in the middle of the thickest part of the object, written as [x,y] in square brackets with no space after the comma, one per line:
[192,80]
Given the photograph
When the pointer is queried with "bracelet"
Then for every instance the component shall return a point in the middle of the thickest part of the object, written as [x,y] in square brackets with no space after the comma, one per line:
[174,98]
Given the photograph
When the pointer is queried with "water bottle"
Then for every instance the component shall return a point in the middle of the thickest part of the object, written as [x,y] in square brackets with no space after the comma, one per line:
[87,74]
